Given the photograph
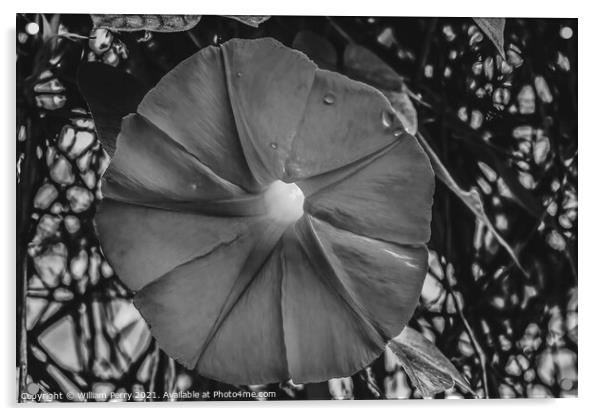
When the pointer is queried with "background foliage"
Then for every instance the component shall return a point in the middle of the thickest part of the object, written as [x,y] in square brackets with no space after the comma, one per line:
[502,307]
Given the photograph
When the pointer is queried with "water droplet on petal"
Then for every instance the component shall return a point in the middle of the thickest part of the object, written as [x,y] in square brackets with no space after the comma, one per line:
[329,98]
[387,118]
[398,132]
[274,145]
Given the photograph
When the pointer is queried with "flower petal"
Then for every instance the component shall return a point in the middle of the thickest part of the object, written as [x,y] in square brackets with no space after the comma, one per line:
[142,244]
[342,122]
[186,307]
[383,280]
[324,337]
[150,167]
[249,346]
[268,86]
[389,198]
[191,105]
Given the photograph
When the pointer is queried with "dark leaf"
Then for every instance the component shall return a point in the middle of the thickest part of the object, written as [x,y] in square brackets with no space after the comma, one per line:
[152,22]
[428,369]
[363,65]
[471,199]
[111,94]
[254,21]
[493,27]
[317,48]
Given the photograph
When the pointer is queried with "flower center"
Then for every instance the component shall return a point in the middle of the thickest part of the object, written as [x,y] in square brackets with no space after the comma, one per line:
[284,202]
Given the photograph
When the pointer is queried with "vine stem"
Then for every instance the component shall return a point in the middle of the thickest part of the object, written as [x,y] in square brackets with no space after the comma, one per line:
[194,38]
[426,48]
[341,31]
[471,335]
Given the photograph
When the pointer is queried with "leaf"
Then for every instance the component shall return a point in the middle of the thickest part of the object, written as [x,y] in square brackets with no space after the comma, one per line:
[364,65]
[111,94]
[428,369]
[152,22]
[471,199]
[317,48]
[403,106]
[253,21]
[493,27]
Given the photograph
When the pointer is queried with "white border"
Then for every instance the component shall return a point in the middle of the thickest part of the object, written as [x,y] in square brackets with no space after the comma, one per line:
[590,149]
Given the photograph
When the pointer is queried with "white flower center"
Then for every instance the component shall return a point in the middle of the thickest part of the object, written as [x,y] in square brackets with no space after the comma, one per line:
[284,202]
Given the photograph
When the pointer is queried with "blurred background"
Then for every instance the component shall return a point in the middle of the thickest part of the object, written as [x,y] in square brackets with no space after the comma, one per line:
[505,129]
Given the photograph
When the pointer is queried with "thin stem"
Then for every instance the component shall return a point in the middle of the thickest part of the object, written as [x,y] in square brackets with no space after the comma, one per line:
[471,335]
[426,48]
[194,38]
[340,30]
